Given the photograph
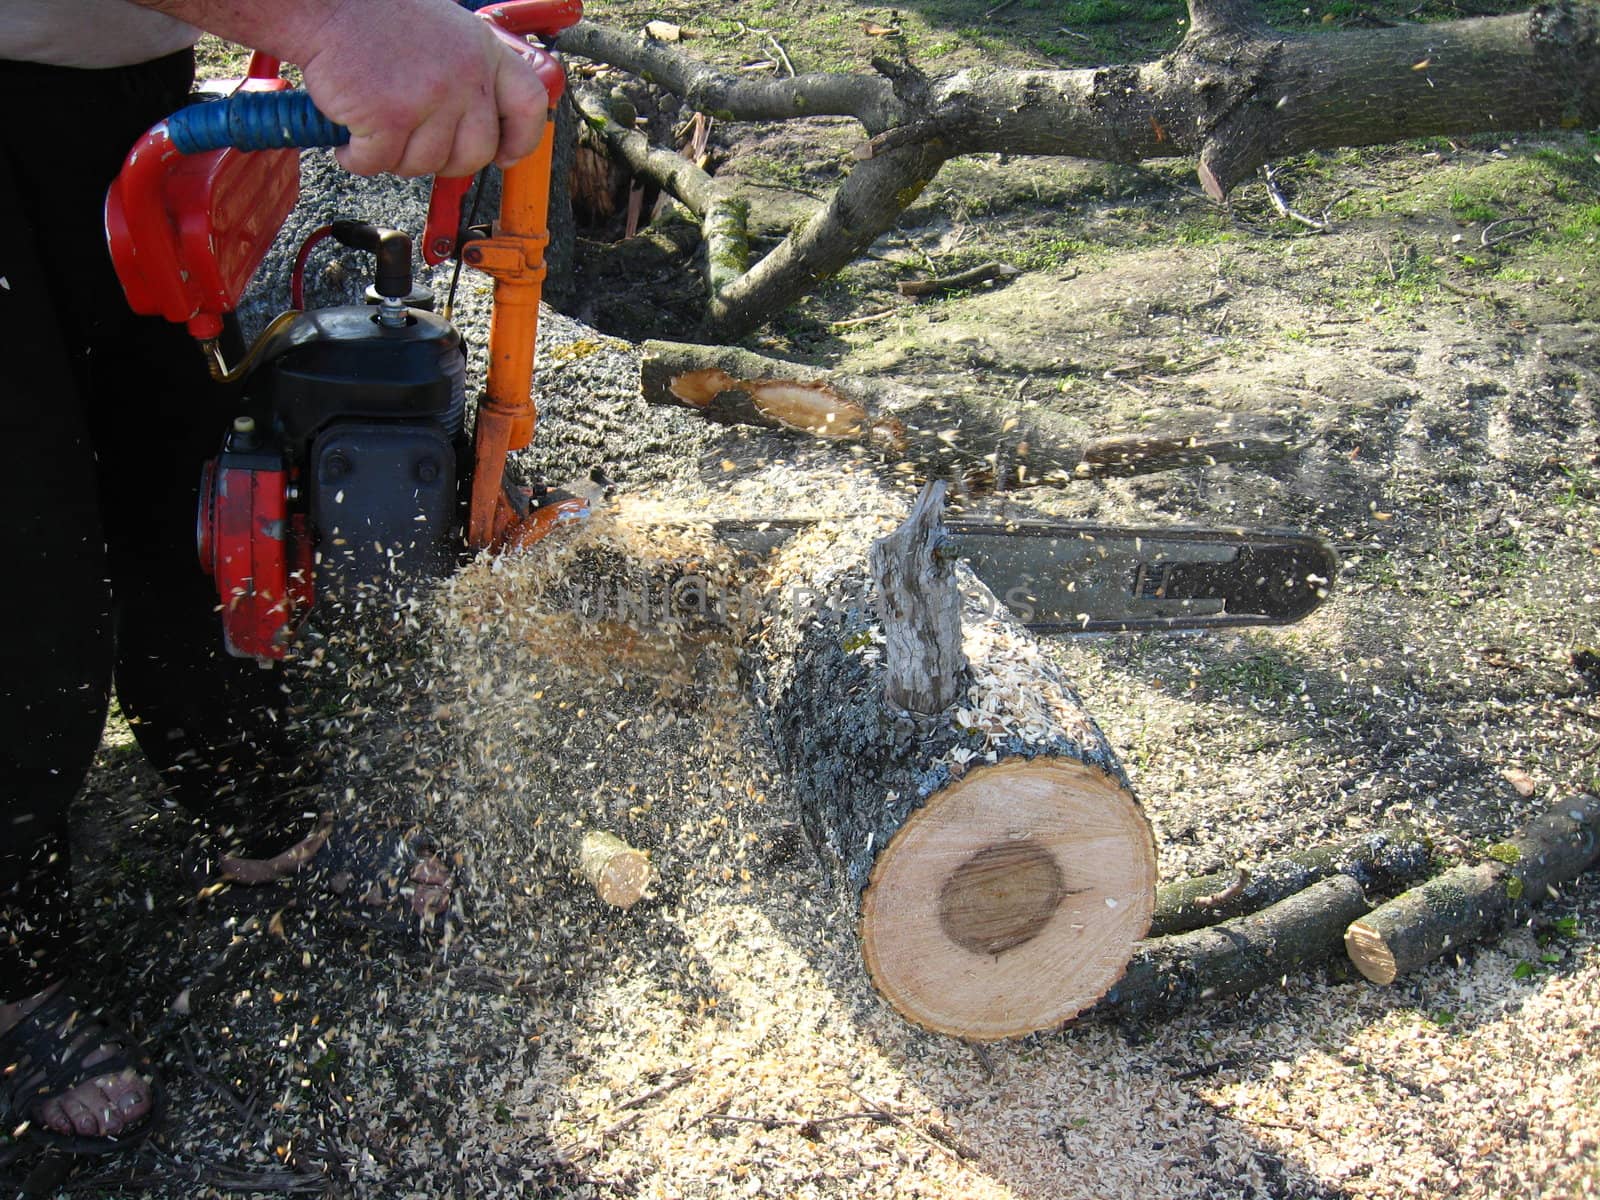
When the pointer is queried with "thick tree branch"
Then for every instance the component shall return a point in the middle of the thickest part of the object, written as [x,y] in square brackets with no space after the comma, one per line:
[1235,95]
[867,203]
[980,444]
[724,217]
[732,97]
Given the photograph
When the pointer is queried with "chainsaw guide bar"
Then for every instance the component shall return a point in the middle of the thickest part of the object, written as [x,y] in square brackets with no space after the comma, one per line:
[1082,577]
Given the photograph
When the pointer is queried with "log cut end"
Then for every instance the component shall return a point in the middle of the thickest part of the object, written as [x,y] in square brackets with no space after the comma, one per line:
[618,873]
[1369,951]
[1011,901]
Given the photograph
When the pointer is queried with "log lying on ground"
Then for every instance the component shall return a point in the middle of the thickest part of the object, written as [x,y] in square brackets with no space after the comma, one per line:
[1170,973]
[985,443]
[617,872]
[1468,902]
[1003,868]
[1383,861]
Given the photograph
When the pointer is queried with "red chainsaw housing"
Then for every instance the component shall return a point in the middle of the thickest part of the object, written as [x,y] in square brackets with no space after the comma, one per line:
[187,232]
[259,555]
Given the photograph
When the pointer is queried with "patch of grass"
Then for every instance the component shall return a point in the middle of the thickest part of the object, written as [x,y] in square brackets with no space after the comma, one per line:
[1050,253]
[774,172]
[1204,231]
[1259,676]
[1505,554]
[1584,225]
[1467,207]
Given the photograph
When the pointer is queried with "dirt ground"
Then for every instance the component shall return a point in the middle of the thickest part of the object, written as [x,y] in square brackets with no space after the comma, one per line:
[720,1039]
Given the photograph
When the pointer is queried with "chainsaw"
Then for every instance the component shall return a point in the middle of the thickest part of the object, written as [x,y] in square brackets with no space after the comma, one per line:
[350,464]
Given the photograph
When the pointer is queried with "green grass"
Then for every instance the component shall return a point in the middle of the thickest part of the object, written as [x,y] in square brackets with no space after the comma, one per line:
[1466,207]
[1047,253]
[1258,676]
[1584,225]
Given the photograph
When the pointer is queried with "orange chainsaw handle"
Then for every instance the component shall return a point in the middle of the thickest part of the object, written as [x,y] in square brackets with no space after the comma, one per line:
[513,256]
[512,21]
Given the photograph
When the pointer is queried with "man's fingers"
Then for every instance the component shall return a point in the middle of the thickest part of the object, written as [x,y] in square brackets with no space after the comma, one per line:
[428,149]
[372,153]
[522,105]
[477,136]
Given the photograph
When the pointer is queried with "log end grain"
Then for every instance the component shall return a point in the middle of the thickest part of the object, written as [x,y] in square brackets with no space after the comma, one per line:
[1010,902]
[618,873]
[1371,956]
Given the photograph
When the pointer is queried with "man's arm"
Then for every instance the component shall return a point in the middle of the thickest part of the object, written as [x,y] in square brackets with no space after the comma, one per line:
[424,86]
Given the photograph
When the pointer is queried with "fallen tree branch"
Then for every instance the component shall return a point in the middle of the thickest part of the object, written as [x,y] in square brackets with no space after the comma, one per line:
[728,95]
[1472,901]
[979,443]
[1383,861]
[1168,974]
[1234,94]
[724,217]
[960,281]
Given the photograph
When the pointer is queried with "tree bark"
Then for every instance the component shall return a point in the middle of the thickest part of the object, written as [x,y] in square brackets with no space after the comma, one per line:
[1003,867]
[914,578]
[1169,974]
[1235,95]
[1469,902]
[1383,861]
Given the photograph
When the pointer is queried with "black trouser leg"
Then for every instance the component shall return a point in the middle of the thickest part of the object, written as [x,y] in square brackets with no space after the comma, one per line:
[56,610]
[211,724]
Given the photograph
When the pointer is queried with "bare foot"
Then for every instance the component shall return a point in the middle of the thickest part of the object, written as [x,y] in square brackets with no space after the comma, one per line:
[253,871]
[430,879]
[101,1106]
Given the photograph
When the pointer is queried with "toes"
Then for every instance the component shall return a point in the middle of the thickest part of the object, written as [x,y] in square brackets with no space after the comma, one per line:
[98,1107]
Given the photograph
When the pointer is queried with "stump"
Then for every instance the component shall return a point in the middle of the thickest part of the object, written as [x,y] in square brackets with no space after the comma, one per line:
[1003,869]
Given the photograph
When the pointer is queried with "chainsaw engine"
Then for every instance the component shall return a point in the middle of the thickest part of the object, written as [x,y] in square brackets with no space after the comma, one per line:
[341,476]
[347,470]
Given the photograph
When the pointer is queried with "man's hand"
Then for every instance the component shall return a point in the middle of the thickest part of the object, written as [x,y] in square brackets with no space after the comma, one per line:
[424,87]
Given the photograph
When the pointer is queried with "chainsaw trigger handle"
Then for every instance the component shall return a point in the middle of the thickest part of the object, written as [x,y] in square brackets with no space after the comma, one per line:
[443,227]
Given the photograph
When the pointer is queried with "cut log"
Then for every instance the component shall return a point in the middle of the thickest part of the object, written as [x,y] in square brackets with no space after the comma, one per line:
[982,443]
[1471,901]
[1383,861]
[618,873]
[1169,974]
[1003,869]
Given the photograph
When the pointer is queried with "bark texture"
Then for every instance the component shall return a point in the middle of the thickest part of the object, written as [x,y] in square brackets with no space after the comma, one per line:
[1383,861]
[1004,869]
[1470,902]
[913,573]
[1168,974]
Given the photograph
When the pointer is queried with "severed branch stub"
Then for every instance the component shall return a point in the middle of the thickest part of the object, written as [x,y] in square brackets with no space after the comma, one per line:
[920,606]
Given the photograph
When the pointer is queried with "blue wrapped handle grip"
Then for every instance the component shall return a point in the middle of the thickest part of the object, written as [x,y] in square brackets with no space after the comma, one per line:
[253,121]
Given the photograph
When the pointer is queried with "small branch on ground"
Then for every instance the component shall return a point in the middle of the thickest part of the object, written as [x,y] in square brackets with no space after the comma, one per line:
[960,281]
[1168,974]
[1384,861]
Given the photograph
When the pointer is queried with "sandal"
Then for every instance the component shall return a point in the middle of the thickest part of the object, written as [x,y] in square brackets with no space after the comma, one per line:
[45,1054]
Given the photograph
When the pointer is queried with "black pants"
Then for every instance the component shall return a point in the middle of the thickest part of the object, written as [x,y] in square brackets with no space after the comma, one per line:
[106,419]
